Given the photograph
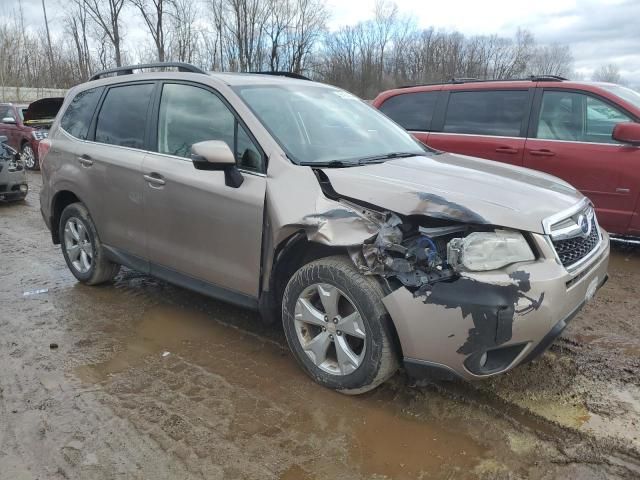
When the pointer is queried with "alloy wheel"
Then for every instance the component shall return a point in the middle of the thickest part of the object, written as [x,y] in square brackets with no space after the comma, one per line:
[330,329]
[77,244]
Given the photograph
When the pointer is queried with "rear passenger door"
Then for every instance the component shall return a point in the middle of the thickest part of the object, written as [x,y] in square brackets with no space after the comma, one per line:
[414,111]
[113,166]
[202,232]
[571,139]
[484,123]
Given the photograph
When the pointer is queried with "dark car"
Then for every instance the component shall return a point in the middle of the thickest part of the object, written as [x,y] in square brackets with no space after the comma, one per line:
[25,126]
[586,133]
[13,178]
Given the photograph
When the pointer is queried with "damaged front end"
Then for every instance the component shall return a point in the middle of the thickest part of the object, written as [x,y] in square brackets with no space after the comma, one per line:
[447,271]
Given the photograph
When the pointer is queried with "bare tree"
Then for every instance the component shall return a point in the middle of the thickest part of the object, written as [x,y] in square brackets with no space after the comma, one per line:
[106,15]
[76,26]
[153,13]
[607,73]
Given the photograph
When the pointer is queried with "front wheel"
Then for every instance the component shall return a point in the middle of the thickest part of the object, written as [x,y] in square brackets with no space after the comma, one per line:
[82,248]
[337,326]
[29,158]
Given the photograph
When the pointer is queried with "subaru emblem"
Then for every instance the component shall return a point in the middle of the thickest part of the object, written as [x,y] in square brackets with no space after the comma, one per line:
[584,225]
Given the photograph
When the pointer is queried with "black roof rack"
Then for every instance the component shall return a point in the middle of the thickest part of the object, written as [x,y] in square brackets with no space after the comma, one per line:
[532,78]
[284,74]
[128,70]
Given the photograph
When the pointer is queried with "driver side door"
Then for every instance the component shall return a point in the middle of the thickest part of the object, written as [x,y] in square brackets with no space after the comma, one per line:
[202,233]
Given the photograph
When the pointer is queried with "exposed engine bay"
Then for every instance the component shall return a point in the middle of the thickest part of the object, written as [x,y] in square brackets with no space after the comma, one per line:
[408,253]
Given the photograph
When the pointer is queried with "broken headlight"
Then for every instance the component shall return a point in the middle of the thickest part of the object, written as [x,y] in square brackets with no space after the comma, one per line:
[481,251]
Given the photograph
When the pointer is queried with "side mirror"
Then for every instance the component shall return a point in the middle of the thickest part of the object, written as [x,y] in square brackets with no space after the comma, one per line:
[628,133]
[9,120]
[216,155]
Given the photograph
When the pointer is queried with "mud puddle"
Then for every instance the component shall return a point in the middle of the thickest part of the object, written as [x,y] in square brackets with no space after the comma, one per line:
[383,433]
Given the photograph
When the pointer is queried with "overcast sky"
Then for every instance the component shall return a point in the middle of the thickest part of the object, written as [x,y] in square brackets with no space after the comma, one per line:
[598,31]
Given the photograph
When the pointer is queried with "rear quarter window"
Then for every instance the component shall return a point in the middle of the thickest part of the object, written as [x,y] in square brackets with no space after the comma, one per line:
[77,117]
[482,112]
[413,111]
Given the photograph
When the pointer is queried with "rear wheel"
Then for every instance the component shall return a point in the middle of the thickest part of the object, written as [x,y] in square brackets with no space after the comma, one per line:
[337,326]
[29,157]
[82,248]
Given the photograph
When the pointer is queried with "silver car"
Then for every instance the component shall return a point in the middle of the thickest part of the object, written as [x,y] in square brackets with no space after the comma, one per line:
[302,202]
[13,177]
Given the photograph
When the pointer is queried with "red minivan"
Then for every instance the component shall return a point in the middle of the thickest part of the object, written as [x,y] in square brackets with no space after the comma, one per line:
[586,133]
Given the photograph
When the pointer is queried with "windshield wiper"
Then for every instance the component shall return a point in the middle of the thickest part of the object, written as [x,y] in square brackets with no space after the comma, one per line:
[385,157]
[330,164]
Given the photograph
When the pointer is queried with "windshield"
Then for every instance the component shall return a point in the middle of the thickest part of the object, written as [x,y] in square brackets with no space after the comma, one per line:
[22,111]
[316,124]
[624,93]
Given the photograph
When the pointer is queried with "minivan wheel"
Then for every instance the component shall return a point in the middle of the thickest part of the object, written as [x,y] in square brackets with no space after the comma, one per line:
[29,157]
[82,248]
[337,326]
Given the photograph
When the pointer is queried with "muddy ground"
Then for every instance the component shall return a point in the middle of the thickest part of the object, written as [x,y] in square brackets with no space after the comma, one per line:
[151,381]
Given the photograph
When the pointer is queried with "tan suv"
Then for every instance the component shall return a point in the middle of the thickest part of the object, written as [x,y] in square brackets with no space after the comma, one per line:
[301,201]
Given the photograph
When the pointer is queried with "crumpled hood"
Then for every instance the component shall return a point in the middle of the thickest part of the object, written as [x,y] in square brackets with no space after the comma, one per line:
[460,188]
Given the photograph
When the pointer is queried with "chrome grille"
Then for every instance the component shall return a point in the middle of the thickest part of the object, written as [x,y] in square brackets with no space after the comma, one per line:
[572,250]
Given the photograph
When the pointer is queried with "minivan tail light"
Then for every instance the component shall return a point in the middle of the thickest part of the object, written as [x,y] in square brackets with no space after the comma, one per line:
[43,148]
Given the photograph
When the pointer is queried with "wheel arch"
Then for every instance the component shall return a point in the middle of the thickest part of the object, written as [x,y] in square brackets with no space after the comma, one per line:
[291,254]
[60,201]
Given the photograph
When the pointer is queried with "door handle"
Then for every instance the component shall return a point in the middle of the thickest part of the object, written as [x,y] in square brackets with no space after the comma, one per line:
[543,152]
[509,150]
[623,190]
[155,179]
[85,160]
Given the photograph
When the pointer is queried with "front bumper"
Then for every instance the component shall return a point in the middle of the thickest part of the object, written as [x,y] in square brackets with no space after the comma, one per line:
[13,183]
[486,323]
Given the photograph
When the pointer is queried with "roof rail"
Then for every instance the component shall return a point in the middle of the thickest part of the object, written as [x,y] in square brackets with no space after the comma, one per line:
[464,80]
[284,74]
[532,78]
[547,78]
[128,69]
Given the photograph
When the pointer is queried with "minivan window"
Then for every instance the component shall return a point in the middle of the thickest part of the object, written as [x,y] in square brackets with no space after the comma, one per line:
[412,111]
[577,117]
[317,124]
[78,115]
[190,114]
[487,112]
[624,93]
[123,116]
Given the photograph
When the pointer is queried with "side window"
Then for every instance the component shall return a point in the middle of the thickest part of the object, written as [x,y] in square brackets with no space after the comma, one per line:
[577,117]
[123,115]
[601,118]
[77,117]
[190,114]
[487,112]
[413,111]
[7,112]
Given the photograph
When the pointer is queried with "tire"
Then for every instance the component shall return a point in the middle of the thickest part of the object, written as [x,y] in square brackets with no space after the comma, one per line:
[372,359]
[29,157]
[88,261]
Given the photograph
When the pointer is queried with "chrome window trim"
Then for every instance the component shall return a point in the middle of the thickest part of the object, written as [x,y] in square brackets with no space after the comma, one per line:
[520,138]
[469,134]
[175,157]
